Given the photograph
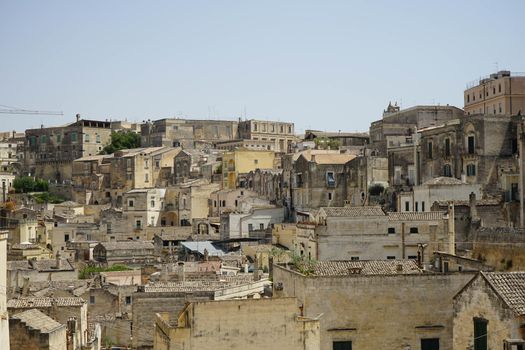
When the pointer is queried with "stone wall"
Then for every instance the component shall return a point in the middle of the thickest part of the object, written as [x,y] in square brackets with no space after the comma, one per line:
[376,312]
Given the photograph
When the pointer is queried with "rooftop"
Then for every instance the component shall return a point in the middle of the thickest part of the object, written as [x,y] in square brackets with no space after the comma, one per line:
[35,319]
[510,286]
[44,302]
[366,267]
[125,245]
[416,216]
[443,180]
[353,211]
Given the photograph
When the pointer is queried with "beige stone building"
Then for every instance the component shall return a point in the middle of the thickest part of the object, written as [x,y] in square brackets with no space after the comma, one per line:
[32,329]
[4,318]
[501,93]
[370,305]
[281,134]
[242,161]
[50,152]
[238,324]
[368,233]
[489,312]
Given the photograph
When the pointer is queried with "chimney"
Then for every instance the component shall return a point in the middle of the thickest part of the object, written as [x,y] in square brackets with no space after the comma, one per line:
[78,117]
[451,230]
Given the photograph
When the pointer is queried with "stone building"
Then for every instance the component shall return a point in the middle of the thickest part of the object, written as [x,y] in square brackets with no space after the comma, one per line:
[279,325]
[368,233]
[351,142]
[319,181]
[398,125]
[186,133]
[362,174]
[281,134]
[267,183]
[172,297]
[489,312]
[71,311]
[475,148]
[104,179]
[34,330]
[242,161]
[127,252]
[50,152]
[143,207]
[501,93]
[227,200]
[373,305]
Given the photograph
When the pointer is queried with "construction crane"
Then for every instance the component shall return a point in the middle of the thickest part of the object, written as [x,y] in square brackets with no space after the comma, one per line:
[15,110]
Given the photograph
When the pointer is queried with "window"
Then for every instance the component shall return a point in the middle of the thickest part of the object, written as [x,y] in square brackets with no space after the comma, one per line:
[152,221]
[146,177]
[128,300]
[152,203]
[354,258]
[422,206]
[391,230]
[407,206]
[157,164]
[59,137]
[500,109]
[130,203]
[256,161]
[330,179]
[73,137]
[215,204]
[430,344]
[494,90]
[447,147]
[97,138]
[480,334]
[66,238]
[146,163]
[499,87]
[254,126]
[261,226]
[92,299]
[86,137]
[470,144]
[223,203]
[391,257]
[417,206]
[342,345]
[447,171]
[429,150]
[329,196]
[414,230]
[468,98]
[138,223]
[471,170]
[250,227]
[412,257]
[43,139]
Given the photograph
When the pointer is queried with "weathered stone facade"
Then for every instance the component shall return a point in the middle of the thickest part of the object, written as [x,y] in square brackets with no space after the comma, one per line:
[376,311]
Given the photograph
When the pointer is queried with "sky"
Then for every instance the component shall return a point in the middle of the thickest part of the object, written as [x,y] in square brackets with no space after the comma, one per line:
[324,65]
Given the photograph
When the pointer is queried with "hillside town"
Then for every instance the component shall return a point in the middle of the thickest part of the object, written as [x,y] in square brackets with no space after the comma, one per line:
[244,234]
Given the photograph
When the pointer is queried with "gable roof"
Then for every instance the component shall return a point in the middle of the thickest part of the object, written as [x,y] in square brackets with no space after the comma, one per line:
[35,319]
[416,216]
[510,286]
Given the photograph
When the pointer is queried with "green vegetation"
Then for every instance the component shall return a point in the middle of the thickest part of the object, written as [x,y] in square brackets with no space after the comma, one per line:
[24,184]
[122,140]
[46,197]
[89,271]
[304,265]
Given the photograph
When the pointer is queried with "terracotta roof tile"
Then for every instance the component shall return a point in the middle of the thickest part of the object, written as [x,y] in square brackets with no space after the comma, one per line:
[413,216]
[35,319]
[511,288]
[353,211]
[43,302]
[365,267]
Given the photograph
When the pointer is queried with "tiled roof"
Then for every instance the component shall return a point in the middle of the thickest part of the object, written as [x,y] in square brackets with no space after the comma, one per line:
[466,203]
[354,211]
[332,158]
[50,265]
[125,245]
[201,285]
[25,303]
[365,267]
[511,288]
[35,319]
[413,216]
[443,180]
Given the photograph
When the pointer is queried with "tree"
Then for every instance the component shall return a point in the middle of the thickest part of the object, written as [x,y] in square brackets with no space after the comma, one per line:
[122,140]
[26,184]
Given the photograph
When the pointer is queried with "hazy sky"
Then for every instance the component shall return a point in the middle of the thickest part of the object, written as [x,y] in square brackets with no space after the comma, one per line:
[329,65]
